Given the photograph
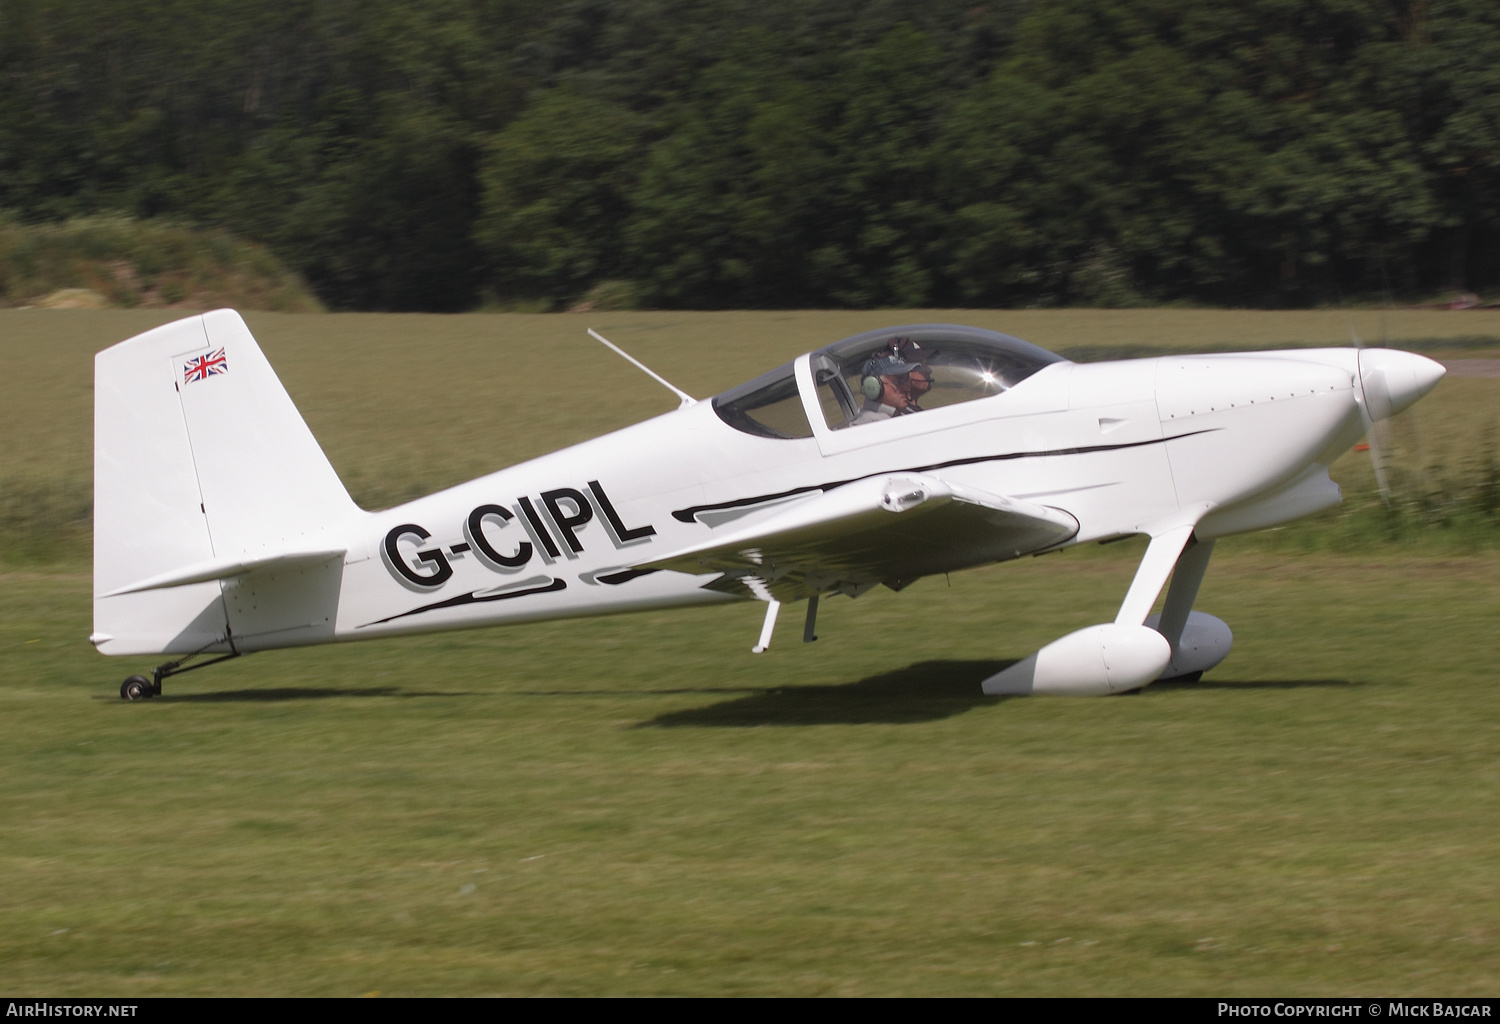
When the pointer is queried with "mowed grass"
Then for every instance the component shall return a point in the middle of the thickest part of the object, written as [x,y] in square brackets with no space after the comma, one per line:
[639,805]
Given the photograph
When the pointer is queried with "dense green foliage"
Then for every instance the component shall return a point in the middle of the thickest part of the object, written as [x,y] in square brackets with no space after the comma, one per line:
[779,153]
[125,262]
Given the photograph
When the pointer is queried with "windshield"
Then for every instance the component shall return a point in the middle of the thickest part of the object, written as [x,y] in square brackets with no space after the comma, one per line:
[768,406]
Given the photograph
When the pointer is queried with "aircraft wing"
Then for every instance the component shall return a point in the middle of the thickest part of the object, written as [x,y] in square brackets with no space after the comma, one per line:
[889,529]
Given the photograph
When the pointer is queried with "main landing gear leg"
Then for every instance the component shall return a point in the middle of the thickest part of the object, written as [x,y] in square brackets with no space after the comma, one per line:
[141,688]
[1112,657]
[1199,640]
[1187,577]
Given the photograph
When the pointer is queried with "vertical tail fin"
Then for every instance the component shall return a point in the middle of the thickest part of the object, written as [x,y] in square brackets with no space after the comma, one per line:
[200,457]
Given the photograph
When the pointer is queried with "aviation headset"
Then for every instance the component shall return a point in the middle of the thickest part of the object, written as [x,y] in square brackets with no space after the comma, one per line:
[898,359]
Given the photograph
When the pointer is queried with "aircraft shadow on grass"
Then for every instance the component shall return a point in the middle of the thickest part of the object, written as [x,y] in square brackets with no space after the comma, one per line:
[1224,685]
[922,692]
[286,693]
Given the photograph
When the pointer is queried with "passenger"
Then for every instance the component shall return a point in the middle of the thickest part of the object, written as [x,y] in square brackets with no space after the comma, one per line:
[909,351]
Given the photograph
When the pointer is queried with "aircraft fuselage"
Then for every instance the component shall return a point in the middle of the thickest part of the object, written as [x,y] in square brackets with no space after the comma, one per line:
[1118,445]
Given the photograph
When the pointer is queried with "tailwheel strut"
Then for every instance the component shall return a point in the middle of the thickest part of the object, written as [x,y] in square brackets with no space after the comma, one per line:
[141,688]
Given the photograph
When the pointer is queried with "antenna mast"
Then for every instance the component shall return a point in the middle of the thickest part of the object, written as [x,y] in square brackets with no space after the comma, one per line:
[687,399]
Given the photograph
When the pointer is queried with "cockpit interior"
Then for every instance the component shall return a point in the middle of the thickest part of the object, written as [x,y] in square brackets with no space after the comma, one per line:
[962,364]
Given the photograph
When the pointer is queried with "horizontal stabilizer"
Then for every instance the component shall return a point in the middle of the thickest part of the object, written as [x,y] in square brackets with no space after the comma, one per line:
[886,529]
[203,470]
[225,569]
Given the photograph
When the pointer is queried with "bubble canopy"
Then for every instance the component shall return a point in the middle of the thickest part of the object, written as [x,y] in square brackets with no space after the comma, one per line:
[961,363]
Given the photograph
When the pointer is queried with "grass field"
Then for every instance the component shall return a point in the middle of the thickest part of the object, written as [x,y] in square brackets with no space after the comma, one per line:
[638,805]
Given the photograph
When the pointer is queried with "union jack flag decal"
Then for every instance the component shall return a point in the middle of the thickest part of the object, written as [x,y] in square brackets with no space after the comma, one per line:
[204,367]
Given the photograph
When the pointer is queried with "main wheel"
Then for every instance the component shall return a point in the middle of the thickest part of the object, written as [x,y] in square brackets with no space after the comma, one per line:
[137,688]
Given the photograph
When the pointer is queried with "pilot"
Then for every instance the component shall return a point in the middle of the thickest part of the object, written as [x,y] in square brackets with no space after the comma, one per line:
[893,381]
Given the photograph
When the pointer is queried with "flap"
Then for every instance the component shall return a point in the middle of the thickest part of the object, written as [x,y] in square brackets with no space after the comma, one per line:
[887,529]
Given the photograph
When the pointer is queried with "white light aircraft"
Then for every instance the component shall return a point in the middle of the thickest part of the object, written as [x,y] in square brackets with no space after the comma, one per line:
[222,529]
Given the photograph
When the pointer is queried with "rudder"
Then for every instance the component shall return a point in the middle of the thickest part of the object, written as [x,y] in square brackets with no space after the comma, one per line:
[200,458]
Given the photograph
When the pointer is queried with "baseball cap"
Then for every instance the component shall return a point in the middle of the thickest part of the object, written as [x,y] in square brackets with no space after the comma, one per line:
[884,365]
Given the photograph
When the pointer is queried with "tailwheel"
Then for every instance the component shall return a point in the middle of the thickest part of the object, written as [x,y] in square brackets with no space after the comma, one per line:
[138,688]
[142,687]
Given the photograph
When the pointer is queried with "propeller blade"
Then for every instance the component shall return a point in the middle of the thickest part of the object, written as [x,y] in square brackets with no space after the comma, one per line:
[1379,447]
[1374,428]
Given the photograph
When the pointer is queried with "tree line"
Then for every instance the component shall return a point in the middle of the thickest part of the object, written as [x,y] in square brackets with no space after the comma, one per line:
[780,153]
